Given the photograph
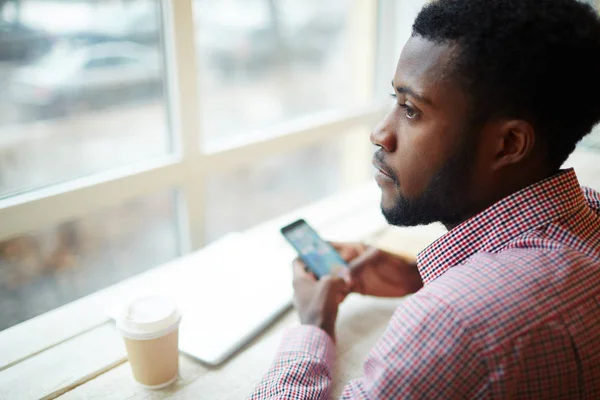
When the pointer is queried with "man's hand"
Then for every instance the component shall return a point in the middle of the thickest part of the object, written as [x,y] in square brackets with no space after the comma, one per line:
[378,273]
[317,302]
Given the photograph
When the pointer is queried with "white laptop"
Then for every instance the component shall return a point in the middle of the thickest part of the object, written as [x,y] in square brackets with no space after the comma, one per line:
[228,293]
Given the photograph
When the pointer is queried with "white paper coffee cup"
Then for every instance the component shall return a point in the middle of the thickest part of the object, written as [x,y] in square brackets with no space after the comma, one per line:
[150,329]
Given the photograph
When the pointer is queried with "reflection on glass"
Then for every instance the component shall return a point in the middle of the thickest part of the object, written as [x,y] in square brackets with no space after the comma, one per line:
[83,89]
[46,269]
[241,198]
[267,61]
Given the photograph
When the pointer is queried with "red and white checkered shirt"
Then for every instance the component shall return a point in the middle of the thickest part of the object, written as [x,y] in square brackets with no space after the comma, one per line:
[510,309]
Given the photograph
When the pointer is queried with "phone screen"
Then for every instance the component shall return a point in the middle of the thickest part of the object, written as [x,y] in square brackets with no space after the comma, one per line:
[320,257]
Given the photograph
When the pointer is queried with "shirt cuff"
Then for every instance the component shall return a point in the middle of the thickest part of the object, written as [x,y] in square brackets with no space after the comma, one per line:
[308,340]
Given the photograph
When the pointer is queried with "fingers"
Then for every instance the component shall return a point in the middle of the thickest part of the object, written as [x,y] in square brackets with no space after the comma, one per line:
[336,287]
[338,246]
[336,283]
[360,262]
[300,272]
[344,250]
[348,251]
[358,267]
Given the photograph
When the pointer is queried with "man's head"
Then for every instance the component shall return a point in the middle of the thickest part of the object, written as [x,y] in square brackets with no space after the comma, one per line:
[491,97]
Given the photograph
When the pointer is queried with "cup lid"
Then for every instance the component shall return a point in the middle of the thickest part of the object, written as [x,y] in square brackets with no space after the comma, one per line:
[148,318]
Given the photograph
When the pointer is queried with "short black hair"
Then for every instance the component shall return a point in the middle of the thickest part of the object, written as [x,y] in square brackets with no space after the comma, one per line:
[537,60]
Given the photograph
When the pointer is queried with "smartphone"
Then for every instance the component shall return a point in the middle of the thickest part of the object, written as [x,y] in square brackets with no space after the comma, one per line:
[318,255]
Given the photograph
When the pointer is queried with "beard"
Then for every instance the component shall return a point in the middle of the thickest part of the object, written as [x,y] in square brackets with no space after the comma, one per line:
[445,197]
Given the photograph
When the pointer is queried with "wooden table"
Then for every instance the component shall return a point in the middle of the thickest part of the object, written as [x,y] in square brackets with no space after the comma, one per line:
[37,359]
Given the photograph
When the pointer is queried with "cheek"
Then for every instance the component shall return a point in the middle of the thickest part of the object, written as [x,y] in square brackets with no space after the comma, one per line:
[422,150]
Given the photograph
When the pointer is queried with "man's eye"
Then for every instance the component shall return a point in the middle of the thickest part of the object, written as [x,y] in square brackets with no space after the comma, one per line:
[409,111]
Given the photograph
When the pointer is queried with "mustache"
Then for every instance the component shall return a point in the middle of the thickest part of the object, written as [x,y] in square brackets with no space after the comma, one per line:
[379,161]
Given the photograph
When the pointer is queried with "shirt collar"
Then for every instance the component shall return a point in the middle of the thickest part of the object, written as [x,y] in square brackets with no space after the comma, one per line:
[493,228]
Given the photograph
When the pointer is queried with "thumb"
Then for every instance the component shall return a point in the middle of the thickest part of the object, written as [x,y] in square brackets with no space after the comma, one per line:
[338,288]
[359,263]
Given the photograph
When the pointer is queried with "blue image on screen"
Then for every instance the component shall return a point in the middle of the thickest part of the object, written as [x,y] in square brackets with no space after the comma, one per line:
[315,252]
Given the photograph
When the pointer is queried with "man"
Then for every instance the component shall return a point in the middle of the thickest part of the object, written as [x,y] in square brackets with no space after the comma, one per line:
[492,97]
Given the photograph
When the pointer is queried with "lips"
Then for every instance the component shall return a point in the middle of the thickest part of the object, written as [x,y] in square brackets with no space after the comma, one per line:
[382,169]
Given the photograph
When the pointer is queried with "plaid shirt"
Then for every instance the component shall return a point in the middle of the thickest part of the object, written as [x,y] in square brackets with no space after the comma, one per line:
[510,309]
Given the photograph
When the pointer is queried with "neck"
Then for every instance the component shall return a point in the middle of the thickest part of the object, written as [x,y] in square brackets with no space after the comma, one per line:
[504,185]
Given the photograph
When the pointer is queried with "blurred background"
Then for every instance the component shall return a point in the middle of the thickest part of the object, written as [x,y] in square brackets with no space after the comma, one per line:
[133,131]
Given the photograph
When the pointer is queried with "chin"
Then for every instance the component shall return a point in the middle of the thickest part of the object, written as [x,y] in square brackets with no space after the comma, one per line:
[394,218]
[398,211]
[390,217]
[388,200]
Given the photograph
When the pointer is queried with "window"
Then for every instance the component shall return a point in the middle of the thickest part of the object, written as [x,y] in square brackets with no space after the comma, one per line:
[66,113]
[594,3]
[245,196]
[55,265]
[265,62]
[125,142]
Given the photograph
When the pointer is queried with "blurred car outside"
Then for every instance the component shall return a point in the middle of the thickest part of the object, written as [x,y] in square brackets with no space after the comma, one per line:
[70,79]
[109,55]
[254,35]
[20,43]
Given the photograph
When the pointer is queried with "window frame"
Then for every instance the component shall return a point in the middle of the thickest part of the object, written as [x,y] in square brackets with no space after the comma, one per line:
[186,167]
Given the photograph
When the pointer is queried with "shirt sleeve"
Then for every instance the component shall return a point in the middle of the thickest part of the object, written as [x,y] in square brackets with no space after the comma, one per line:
[302,368]
[425,352]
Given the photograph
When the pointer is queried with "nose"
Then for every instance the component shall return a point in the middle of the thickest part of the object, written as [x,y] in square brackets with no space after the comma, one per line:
[384,134]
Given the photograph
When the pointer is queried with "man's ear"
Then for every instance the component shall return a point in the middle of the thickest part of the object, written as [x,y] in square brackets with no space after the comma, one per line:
[513,142]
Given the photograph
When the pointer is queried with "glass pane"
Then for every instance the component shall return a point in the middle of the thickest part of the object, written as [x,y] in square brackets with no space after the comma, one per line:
[265,62]
[83,89]
[592,141]
[241,198]
[595,3]
[57,265]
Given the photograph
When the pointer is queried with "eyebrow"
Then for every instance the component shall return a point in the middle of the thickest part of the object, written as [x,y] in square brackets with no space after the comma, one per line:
[411,92]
